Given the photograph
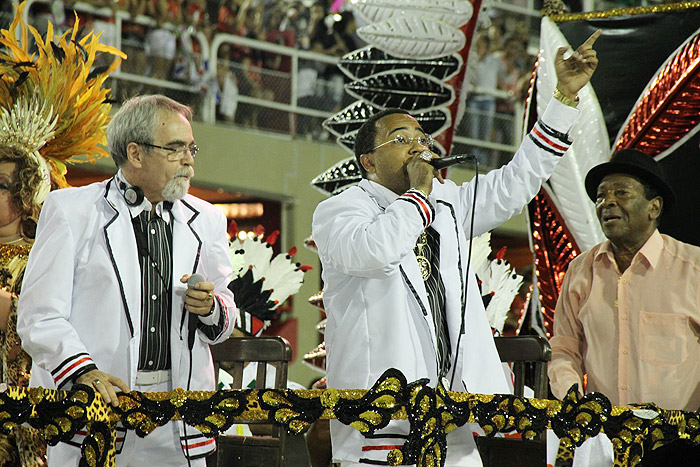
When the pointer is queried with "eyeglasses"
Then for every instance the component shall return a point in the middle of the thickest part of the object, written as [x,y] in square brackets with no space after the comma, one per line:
[176,153]
[400,140]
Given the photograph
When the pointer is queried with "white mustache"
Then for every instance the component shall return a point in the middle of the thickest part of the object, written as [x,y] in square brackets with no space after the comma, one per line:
[184,172]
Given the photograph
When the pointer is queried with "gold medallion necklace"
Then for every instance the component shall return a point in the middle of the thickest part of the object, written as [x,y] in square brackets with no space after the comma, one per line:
[423,263]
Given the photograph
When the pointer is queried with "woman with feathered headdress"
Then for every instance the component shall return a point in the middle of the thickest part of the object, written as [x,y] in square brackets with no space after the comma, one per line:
[19,177]
[53,110]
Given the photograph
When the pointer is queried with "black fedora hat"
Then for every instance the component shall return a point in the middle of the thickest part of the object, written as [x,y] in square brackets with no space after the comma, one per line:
[638,164]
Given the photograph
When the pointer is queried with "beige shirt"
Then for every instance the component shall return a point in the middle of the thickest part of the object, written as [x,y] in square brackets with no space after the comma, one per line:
[636,335]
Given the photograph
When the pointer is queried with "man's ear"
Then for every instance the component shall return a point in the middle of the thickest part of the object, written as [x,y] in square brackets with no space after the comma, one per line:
[367,162]
[134,154]
[655,207]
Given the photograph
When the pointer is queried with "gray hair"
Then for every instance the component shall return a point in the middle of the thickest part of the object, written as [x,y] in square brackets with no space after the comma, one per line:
[135,122]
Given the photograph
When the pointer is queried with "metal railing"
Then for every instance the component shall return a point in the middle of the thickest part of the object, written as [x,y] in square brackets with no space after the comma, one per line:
[292,53]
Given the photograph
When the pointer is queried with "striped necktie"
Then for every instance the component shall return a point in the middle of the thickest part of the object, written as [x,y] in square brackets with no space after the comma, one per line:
[428,255]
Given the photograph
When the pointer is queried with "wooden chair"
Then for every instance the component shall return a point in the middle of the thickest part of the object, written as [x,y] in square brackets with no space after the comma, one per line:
[526,353]
[232,356]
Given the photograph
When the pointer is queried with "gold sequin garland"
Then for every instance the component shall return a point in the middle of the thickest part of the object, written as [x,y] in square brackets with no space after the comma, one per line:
[644,10]
[432,413]
[8,252]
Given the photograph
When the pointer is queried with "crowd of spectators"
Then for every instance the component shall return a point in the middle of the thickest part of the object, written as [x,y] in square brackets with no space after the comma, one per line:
[164,40]
[497,78]
[322,27]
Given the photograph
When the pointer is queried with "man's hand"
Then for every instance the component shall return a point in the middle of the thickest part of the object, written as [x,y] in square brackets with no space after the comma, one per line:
[576,71]
[103,383]
[200,299]
[421,173]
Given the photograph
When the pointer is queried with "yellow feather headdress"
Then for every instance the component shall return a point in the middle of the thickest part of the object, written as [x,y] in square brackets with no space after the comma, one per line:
[52,103]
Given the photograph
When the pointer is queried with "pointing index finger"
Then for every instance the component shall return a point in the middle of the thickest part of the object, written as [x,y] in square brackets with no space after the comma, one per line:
[591,40]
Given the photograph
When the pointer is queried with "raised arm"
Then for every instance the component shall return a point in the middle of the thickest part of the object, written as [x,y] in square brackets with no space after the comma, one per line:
[575,72]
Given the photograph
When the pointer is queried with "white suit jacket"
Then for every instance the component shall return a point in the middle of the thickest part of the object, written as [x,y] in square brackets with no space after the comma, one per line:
[378,311]
[81,305]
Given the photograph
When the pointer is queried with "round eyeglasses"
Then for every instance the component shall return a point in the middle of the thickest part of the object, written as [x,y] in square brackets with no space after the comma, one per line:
[400,140]
[175,153]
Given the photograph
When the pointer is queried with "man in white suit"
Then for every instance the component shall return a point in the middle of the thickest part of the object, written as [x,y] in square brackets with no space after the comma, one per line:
[394,253]
[106,301]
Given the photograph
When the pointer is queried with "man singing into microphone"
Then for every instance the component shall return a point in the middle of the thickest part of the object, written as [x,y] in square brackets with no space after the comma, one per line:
[394,255]
[107,302]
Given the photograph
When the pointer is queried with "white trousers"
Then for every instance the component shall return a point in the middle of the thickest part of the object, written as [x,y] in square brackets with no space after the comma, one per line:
[461,449]
[594,452]
[160,448]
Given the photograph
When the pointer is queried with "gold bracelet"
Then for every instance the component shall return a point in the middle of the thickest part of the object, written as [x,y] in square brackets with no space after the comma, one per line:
[558,95]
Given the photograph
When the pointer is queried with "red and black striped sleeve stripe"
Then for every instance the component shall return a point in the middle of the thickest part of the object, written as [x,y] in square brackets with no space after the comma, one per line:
[549,139]
[420,201]
[71,368]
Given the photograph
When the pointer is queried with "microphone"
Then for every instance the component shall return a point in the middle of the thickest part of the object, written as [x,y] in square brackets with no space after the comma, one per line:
[444,162]
[192,318]
[194,280]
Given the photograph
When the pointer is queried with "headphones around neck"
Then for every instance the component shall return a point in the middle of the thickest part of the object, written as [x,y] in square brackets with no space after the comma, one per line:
[133,195]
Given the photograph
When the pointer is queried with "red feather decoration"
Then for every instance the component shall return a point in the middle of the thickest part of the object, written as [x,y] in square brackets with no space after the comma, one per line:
[670,108]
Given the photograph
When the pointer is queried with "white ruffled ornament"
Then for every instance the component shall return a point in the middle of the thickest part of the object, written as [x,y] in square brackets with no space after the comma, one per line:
[28,126]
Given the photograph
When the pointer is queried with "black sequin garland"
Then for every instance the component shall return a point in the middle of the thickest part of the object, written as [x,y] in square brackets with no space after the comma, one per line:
[432,413]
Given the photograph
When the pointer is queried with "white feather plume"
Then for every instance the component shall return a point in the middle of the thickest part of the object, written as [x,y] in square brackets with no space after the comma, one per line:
[503,284]
[283,277]
[481,249]
[590,145]
[256,256]
[280,274]
[237,255]
[496,278]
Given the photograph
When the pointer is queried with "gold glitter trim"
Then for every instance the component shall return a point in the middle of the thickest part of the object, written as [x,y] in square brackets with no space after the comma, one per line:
[7,252]
[643,10]
[433,412]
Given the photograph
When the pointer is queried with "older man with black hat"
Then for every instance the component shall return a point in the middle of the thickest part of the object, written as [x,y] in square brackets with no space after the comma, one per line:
[628,317]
